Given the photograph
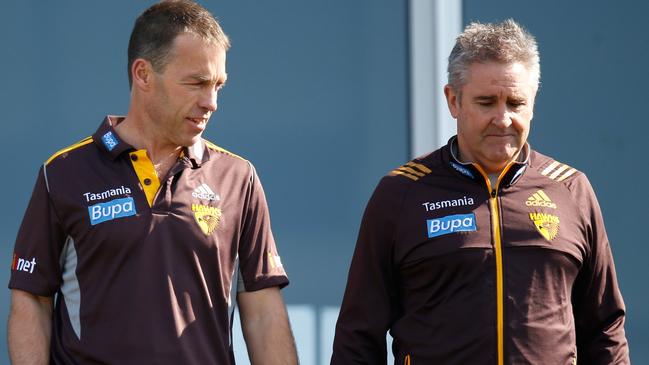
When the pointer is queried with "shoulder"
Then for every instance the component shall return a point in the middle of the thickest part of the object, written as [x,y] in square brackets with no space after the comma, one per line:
[231,164]
[225,157]
[395,185]
[554,172]
[64,153]
[67,162]
[411,170]
[416,169]
[220,151]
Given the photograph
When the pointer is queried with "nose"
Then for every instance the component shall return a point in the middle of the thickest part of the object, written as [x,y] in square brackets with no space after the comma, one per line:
[208,100]
[502,118]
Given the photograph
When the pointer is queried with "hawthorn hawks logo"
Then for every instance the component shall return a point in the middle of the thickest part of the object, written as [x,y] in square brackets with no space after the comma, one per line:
[546,224]
[207,217]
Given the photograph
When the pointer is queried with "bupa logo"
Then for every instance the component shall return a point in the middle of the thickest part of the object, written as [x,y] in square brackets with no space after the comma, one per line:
[118,208]
[450,224]
[110,141]
[20,264]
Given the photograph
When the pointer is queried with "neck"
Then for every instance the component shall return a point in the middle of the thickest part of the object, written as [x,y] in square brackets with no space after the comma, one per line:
[490,169]
[138,132]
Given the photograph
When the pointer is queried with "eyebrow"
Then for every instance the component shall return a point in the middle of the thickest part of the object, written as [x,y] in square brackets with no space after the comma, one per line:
[204,79]
[493,97]
[485,98]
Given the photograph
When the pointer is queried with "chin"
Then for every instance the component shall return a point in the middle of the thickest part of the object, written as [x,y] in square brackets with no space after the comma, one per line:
[505,153]
[500,158]
[192,140]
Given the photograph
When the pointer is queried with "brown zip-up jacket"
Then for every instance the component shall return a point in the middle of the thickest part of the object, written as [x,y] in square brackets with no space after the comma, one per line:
[462,272]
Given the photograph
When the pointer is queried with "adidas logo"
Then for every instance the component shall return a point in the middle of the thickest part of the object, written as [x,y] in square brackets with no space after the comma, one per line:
[540,199]
[204,192]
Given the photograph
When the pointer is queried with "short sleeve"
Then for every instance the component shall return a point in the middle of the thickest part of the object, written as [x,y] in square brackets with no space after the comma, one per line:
[259,261]
[35,264]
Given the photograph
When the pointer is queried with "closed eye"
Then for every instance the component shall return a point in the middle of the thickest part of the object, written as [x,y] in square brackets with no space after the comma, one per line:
[485,100]
[516,104]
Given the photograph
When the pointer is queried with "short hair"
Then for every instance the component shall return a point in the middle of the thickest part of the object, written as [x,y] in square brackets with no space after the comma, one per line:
[505,42]
[158,26]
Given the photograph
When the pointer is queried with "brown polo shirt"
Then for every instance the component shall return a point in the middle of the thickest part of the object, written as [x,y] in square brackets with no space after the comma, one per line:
[145,268]
[463,272]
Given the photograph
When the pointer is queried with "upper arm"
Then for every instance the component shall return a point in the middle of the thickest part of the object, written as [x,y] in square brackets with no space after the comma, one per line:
[25,301]
[256,304]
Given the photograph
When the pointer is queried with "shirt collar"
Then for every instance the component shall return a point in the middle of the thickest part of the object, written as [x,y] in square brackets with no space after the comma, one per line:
[471,171]
[197,154]
[109,141]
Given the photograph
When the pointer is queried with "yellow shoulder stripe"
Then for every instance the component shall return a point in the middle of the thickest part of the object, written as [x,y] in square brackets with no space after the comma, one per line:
[216,148]
[420,166]
[409,176]
[83,142]
[412,170]
[558,171]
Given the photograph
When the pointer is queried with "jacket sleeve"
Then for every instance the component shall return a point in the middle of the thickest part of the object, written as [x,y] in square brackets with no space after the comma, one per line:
[597,302]
[369,303]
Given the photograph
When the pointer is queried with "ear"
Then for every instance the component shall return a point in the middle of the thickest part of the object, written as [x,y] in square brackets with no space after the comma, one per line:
[452,100]
[142,73]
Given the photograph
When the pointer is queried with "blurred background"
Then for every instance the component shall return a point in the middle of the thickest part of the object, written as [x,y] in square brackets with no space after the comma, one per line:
[325,97]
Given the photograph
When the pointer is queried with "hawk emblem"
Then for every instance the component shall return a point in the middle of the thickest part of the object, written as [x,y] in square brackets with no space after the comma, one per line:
[546,224]
[207,217]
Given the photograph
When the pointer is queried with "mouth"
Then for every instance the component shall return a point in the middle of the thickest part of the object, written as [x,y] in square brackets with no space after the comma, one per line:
[199,120]
[494,135]
[198,123]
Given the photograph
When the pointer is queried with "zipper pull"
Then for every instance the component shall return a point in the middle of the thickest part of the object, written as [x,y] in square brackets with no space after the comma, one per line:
[493,193]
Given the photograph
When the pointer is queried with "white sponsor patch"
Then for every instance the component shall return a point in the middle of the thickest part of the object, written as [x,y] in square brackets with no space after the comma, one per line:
[451,224]
[118,208]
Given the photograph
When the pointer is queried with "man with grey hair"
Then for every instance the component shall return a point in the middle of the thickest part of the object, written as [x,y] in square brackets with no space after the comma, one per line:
[139,240]
[484,251]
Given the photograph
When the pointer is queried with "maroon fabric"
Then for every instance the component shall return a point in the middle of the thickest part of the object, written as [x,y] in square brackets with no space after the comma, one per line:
[437,295]
[154,288]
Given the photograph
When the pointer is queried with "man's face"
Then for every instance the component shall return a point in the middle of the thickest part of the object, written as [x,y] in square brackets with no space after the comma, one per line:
[184,95]
[493,113]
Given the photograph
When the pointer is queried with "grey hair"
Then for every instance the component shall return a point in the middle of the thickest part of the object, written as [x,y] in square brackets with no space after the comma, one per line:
[505,42]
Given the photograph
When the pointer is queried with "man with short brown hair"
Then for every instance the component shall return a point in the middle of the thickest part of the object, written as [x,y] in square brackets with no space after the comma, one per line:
[138,240]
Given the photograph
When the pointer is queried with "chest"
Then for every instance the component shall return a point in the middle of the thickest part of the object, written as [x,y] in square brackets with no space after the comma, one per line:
[437,226]
[193,211]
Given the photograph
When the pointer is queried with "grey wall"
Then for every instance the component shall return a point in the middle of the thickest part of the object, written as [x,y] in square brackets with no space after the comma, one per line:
[316,99]
[591,114]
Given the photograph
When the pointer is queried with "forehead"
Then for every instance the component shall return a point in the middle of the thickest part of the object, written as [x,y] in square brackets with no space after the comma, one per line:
[515,77]
[191,53]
